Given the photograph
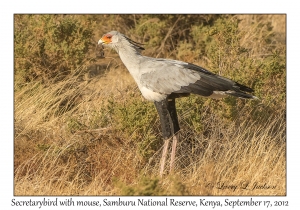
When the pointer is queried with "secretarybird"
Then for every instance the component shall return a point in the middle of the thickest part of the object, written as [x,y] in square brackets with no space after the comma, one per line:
[164,80]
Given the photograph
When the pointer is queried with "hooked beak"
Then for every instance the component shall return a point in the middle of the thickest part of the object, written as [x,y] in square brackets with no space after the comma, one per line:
[100,41]
[104,40]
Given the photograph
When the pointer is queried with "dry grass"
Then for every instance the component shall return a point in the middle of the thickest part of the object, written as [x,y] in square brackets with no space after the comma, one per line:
[51,160]
[70,139]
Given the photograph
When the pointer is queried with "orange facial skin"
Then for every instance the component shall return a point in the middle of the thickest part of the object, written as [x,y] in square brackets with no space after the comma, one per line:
[106,38]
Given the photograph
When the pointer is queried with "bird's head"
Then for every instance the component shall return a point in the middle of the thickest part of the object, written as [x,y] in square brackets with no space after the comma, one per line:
[114,39]
[109,38]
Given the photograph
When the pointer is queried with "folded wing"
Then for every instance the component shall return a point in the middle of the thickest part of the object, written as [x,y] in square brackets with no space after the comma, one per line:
[175,77]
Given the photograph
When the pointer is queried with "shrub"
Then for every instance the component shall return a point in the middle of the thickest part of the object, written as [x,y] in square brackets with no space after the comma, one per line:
[50,46]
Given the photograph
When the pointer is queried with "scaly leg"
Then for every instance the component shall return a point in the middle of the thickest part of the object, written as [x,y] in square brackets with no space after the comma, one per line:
[175,129]
[165,122]
[169,124]
[163,157]
[173,152]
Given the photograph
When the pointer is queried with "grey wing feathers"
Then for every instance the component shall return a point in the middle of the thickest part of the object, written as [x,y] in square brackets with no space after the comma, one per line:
[221,80]
[182,78]
[206,85]
[167,76]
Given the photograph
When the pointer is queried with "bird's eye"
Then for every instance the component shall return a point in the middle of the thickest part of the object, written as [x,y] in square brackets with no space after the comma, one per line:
[108,36]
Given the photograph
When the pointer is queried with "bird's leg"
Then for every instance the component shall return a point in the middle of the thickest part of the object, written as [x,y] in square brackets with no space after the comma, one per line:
[166,122]
[169,124]
[175,128]
[163,157]
[173,152]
